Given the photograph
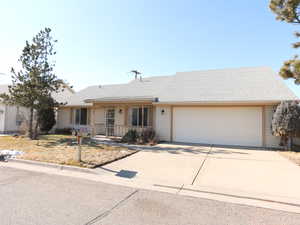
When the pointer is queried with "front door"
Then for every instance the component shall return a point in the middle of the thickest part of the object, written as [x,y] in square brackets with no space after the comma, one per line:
[110,122]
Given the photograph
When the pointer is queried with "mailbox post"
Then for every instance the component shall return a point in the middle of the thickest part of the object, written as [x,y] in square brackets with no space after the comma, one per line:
[79,141]
[80,134]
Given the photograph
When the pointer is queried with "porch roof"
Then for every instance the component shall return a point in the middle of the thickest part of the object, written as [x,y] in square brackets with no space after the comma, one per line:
[122,99]
[146,89]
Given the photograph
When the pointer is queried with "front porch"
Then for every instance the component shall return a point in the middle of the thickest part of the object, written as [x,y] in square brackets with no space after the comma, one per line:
[116,130]
[117,119]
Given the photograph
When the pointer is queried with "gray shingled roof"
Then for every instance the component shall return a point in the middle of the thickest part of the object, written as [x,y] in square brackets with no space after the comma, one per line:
[136,89]
[256,84]
[227,85]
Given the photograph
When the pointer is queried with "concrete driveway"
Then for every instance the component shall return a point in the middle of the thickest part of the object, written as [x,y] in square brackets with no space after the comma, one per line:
[164,164]
[238,172]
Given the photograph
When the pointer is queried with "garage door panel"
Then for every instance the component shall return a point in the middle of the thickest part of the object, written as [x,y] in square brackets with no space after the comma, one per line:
[218,125]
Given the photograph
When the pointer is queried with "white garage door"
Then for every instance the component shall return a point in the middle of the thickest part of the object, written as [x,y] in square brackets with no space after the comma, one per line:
[218,125]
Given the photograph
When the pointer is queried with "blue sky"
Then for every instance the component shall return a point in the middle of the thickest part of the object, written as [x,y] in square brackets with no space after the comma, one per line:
[99,42]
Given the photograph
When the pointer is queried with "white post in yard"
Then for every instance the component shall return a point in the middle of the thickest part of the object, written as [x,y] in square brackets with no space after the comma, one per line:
[79,153]
[79,140]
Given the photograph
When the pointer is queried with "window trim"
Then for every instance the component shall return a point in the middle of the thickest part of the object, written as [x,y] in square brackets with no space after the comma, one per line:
[80,119]
[138,116]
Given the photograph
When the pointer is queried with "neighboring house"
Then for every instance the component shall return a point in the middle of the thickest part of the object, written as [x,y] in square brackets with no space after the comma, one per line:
[226,107]
[12,116]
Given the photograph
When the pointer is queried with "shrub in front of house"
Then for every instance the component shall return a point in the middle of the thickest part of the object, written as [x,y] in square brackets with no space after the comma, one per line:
[46,118]
[130,137]
[148,136]
[66,131]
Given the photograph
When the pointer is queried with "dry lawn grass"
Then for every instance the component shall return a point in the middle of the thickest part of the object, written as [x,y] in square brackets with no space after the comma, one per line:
[293,156]
[62,149]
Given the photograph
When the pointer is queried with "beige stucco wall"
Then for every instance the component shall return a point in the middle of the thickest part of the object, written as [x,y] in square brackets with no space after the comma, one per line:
[271,141]
[63,118]
[120,121]
[96,116]
[99,116]
[162,125]
[163,122]
[119,117]
[8,119]
[11,114]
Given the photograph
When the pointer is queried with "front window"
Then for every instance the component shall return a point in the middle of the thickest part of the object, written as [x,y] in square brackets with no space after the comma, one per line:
[81,116]
[140,116]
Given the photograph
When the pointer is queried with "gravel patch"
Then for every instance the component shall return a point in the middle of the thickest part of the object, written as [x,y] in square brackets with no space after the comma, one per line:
[293,156]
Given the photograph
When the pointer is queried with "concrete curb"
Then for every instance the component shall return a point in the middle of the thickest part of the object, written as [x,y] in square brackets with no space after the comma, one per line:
[53,165]
[114,160]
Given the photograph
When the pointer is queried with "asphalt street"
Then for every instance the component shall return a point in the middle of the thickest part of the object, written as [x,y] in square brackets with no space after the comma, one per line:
[31,198]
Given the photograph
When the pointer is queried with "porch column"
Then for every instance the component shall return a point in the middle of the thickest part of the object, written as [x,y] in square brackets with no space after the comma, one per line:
[124,129]
[93,133]
[151,117]
[142,117]
[71,117]
[125,115]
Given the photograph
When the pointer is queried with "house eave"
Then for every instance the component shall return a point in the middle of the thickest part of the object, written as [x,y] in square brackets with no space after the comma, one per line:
[76,106]
[230,103]
[122,100]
